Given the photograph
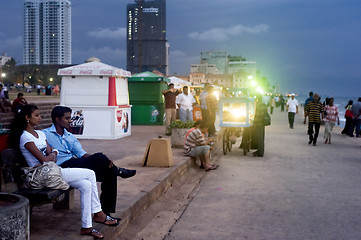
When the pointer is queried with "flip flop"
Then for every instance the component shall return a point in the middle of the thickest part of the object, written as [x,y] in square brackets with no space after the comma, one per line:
[213,167]
[109,218]
[95,234]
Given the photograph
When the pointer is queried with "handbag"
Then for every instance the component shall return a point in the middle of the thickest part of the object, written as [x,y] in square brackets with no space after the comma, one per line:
[348,114]
[47,175]
[266,119]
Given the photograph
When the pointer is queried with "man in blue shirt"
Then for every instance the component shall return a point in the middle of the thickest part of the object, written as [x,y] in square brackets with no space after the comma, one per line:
[71,154]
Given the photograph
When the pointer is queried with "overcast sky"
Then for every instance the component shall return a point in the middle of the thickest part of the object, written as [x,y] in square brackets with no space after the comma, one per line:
[301,45]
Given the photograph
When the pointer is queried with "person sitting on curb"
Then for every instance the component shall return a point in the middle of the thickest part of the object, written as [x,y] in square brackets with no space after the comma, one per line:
[72,155]
[196,146]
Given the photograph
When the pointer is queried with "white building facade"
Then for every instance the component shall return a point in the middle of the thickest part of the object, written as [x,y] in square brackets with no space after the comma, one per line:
[47,32]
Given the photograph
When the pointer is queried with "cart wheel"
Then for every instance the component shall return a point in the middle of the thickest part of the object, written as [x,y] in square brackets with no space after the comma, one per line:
[225,142]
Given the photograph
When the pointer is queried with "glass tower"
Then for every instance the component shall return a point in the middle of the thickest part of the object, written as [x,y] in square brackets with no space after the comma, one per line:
[147,48]
[47,32]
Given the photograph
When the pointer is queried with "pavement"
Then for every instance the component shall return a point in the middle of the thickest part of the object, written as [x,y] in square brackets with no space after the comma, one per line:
[135,194]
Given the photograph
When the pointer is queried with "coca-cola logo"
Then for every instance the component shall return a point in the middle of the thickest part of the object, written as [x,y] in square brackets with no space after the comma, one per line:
[86,72]
[64,72]
[119,115]
[106,72]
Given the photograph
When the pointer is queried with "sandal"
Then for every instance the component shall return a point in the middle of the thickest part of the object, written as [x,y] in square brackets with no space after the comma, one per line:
[109,218]
[94,233]
[213,167]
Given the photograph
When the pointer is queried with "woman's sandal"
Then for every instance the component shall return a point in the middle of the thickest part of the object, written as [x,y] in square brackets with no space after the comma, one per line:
[94,233]
[109,218]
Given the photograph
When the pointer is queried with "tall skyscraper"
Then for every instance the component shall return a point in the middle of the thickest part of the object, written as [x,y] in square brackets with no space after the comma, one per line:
[147,47]
[47,32]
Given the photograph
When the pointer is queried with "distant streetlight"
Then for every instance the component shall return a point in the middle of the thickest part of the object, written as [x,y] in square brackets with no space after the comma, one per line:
[51,79]
[3,75]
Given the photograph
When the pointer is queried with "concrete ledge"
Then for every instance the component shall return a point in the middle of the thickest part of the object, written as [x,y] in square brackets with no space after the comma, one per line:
[139,203]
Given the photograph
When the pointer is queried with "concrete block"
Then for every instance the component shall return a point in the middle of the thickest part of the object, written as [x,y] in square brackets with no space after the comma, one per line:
[158,153]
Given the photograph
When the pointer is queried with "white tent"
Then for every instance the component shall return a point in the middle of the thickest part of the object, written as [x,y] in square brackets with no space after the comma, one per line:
[178,82]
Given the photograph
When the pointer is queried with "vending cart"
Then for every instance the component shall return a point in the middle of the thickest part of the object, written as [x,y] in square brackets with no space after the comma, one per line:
[98,95]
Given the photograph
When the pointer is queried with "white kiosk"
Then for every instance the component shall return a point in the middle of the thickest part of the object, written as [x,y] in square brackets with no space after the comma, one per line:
[98,95]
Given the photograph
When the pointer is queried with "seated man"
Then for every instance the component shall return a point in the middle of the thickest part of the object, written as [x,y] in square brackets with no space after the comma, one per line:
[196,146]
[18,102]
[71,154]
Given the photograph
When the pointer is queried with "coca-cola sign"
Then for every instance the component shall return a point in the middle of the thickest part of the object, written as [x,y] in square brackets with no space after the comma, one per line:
[85,72]
[119,115]
[106,72]
[66,72]
[77,125]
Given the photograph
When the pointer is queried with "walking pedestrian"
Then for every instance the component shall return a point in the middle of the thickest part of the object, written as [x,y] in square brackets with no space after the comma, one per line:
[314,111]
[292,109]
[330,118]
[356,120]
[348,117]
[282,103]
[272,104]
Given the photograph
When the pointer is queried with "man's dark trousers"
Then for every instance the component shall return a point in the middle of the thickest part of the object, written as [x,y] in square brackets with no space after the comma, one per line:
[291,118]
[99,163]
[313,137]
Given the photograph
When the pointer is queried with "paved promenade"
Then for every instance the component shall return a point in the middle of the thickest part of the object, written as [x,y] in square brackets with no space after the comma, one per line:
[136,193]
[295,192]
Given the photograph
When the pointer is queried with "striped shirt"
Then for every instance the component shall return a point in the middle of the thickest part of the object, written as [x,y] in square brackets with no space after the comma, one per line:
[314,111]
[194,138]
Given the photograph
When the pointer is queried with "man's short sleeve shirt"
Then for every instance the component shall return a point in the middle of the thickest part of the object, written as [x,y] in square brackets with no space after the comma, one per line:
[314,111]
[292,105]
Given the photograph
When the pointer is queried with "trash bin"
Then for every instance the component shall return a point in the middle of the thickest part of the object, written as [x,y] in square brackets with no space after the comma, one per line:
[146,98]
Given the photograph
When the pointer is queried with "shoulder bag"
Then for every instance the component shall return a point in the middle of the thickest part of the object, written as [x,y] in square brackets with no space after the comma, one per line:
[47,175]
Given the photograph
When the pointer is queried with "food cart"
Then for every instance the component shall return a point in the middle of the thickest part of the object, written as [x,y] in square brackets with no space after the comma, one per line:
[98,95]
[236,117]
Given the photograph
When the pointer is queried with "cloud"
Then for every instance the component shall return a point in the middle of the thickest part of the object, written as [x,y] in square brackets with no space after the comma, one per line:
[106,54]
[223,34]
[11,42]
[108,33]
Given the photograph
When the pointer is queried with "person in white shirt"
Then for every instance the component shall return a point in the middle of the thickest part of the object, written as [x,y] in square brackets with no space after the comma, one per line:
[185,103]
[292,109]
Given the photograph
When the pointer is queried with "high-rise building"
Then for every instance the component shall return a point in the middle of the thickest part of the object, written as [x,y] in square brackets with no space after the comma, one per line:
[218,58]
[47,32]
[147,47]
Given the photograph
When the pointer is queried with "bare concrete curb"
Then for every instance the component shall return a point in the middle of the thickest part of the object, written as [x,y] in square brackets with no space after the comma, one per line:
[140,202]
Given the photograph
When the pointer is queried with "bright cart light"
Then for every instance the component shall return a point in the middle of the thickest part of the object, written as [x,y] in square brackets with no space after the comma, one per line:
[216,93]
[260,90]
